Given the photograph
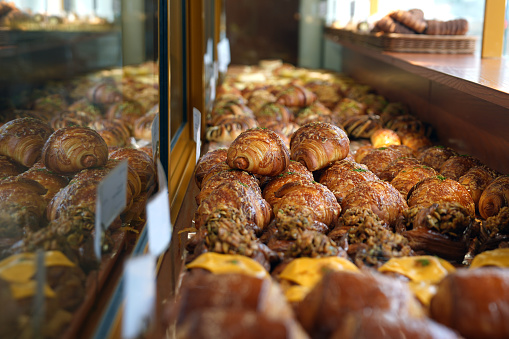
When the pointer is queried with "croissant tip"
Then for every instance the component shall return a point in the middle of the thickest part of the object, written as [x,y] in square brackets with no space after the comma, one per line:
[89,161]
[241,163]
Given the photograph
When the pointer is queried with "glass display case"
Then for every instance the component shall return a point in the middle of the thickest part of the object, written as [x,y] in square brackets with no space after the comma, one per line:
[79,90]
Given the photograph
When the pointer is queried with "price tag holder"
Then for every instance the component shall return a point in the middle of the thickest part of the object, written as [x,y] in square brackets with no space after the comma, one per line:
[197,131]
[155,137]
[223,55]
[158,223]
[161,176]
[110,202]
[139,294]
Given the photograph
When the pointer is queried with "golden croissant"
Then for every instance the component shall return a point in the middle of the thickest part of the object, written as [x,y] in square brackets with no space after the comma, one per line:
[435,156]
[259,151]
[458,165]
[271,112]
[23,139]
[384,137]
[71,149]
[391,170]
[9,167]
[317,145]
[494,197]
[379,158]
[476,180]
[296,96]
[408,177]
[141,162]
[206,162]
[49,180]
[113,131]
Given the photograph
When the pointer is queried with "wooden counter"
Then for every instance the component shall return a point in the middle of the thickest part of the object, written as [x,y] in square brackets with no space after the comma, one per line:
[465,98]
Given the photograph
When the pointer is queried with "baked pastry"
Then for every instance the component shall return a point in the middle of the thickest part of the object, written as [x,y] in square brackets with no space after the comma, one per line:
[409,176]
[23,139]
[435,156]
[344,175]
[71,149]
[451,27]
[396,166]
[415,140]
[388,25]
[114,132]
[413,20]
[384,137]
[328,93]
[494,197]
[70,118]
[393,110]
[379,158]
[52,182]
[126,111]
[296,96]
[258,98]
[378,196]
[230,129]
[50,104]
[341,293]
[273,112]
[259,151]
[458,165]
[312,113]
[274,185]
[316,145]
[142,128]
[375,103]
[141,162]
[347,108]
[104,93]
[361,152]
[476,180]
[474,312]
[407,124]
[439,189]
[206,162]
[225,111]
[362,126]
[9,168]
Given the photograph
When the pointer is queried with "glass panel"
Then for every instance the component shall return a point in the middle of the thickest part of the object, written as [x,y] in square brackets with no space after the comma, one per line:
[177,67]
[506,30]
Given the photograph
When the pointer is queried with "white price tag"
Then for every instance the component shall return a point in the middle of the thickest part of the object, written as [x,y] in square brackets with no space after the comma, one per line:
[155,136]
[197,131]
[223,55]
[158,223]
[140,294]
[161,176]
[110,202]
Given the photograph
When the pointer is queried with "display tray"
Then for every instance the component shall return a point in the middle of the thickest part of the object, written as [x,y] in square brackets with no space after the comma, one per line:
[407,43]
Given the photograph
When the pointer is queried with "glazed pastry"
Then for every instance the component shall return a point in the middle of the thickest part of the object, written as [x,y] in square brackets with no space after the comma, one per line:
[114,132]
[345,175]
[494,197]
[382,325]
[70,118]
[314,112]
[361,152]
[408,177]
[50,181]
[141,162]
[276,183]
[9,168]
[362,126]
[285,130]
[309,195]
[356,90]
[235,195]
[214,169]
[341,293]
[379,158]
[23,139]
[411,20]
[476,180]
[378,196]
[316,145]
[71,149]
[227,175]
[384,137]
[230,129]
[258,98]
[458,165]
[439,189]
[77,198]
[83,105]
[388,25]
[143,127]
[347,108]
[415,141]
[294,167]
[273,112]
[259,151]
[391,170]
[206,162]
[127,111]
[407,124]
[227,111]
[375,103]
[296,96]
[472,311]
[393,110]
[435,156]
[50,104]
[104,93]
[328,93]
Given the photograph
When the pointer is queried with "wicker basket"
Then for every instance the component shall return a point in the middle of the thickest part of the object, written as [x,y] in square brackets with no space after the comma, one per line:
[408,43]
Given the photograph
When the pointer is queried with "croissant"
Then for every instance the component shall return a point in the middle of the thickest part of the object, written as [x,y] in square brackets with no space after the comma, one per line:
[345,175]
[494,197]
[357,90]
[382,325]
[378,196]
[104,93]
[391,170]
[227,175]
[340,293]
[214,169]
[114,132]
[362,126]
[71,149]
[143,127]
[273,112]
[23,139]
[361,152]
[127,111]
[458,165]
[52,182]
[408,177]
[393,110]
[375,103]
[294,167]
[296,96]
[50,104]
[328,93]
[435,156]
[227,111]
[314,112]
[22,113]
[9,168]
[347,108]
[230,129]
[79,197]
[259,151]
[379,158]
[415,141]
[474,312]
[316,145]
[407,123]
[476,180]
[439,189]
[235,195]
[83,105]
[309,195]
[284,178]
[206,162]
[384,137]
[142,164]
